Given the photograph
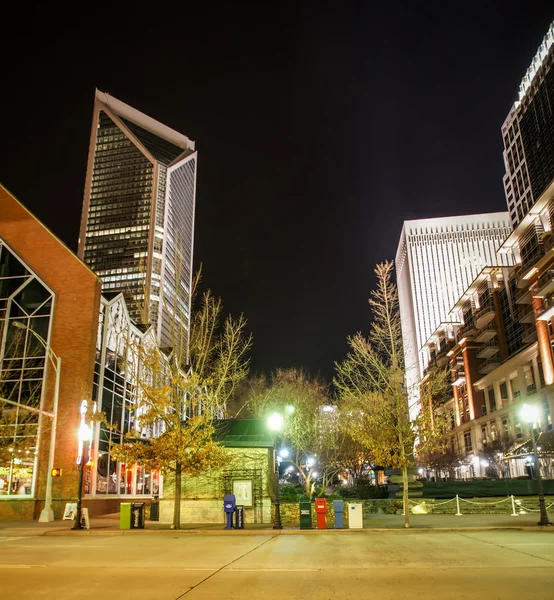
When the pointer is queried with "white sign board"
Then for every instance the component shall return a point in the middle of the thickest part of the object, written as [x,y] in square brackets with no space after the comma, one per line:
[70,511]
[242,489]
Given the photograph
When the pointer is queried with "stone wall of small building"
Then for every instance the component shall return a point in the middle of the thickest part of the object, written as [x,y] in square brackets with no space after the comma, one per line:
[202,496]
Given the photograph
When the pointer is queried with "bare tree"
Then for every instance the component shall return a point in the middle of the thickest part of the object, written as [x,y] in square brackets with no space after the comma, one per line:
[299,398]
[370,382]
[219,347]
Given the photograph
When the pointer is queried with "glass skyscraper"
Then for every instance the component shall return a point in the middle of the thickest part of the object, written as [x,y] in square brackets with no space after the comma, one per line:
[137,224]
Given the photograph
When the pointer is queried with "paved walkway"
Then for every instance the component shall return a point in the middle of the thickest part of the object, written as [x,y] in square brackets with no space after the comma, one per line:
[109,525]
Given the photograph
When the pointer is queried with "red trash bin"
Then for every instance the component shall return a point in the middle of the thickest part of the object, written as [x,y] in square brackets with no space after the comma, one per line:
[321,511]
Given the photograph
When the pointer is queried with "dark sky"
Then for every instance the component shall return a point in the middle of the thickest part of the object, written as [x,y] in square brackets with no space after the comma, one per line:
[320,127]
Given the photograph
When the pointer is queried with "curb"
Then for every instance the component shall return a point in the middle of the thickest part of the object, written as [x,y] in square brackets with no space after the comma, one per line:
[266,532]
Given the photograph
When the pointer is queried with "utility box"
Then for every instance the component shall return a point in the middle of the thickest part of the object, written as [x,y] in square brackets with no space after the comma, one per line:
[355,515]
[338,508]
[305,515]
[229,503]
[137,515]
[239,517]
[321,511]
[125,515]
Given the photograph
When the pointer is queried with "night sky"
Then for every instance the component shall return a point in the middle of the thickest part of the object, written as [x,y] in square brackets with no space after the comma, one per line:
[320,128]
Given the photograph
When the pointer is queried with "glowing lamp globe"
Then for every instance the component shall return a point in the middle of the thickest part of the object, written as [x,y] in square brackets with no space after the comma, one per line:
[529,413]
[275,422]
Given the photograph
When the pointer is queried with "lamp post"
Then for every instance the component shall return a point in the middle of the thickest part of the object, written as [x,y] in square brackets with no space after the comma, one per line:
[85,435]
[47,513]
[530,414]
[275,424]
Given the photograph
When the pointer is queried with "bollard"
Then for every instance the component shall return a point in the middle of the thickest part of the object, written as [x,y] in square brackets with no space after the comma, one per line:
[514,514]
[458,514]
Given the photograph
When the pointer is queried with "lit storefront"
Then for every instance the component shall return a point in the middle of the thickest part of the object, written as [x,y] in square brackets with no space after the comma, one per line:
[115,394]
[26,305]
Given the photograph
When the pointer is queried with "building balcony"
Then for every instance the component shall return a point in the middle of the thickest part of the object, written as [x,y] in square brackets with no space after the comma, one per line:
[442,360]
[459,378]
[528,316]
[468,330]
[545,312]
[548,241]
[529,336]
[524,296]
[489,365]
[486,333]
[532,259]
[545,284]
[488,349]
[484,315]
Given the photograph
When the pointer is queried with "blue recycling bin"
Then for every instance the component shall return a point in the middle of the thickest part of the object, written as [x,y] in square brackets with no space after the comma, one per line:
[338,508]
[229,503]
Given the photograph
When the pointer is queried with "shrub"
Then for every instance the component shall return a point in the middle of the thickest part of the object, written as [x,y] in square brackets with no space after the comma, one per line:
[364,492]
[288,493]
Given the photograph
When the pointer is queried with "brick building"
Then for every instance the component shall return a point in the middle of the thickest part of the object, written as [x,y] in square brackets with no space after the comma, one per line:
[49,306]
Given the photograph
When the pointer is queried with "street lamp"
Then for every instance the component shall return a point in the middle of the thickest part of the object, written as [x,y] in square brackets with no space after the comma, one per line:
[47,513]
[275,424]
[85,435]
[530,413]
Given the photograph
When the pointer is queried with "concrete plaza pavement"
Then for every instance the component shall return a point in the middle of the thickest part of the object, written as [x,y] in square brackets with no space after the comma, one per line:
[495,564]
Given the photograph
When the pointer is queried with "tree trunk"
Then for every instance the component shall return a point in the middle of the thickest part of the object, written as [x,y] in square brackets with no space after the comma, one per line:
[177,507]
[405,496]
[308,485]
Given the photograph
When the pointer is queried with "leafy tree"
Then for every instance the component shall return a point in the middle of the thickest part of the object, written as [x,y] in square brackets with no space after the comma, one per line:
[370,385]
[182,390]
[177,409]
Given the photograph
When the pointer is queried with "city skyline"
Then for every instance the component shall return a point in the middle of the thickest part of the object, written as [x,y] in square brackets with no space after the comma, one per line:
[304,149]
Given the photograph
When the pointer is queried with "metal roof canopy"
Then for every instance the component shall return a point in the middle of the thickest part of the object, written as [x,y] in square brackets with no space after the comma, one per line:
[243,433]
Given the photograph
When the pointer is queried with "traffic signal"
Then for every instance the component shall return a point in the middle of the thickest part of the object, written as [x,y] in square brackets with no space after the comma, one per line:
[56,472]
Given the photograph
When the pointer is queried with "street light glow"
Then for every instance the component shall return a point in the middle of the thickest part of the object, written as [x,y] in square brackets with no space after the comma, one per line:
[310,462]
[529,413]
[289,409]
[284,453]
[275,422]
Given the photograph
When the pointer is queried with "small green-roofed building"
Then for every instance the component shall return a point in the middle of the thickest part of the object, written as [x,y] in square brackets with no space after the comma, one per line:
[249,476]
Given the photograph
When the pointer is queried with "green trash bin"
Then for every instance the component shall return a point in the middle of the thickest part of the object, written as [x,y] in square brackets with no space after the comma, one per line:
[305,515]
[125,515]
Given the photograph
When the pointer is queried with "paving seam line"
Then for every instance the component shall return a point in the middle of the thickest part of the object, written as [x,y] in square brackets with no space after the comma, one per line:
[224,567]
[548,560]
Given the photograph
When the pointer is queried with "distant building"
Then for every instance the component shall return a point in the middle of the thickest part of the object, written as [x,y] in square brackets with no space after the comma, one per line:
[436,261]
[137,223]
[528,134]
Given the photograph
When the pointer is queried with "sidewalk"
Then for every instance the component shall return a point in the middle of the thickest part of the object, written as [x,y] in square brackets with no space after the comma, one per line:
[109,525]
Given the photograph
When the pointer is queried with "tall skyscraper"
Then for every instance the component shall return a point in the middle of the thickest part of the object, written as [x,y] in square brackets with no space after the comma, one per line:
[528,133]
[436,261]
[137,224]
